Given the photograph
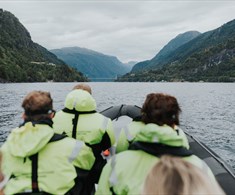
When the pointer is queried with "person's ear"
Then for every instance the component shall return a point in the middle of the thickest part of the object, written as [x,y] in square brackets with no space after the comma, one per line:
[23,115]
[51,115]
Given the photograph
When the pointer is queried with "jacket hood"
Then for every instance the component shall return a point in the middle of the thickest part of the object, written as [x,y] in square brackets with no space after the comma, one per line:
[160,134]
[80,100]
[28,139]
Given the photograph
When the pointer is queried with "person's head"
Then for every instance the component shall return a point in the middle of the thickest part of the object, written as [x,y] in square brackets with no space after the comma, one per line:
[80,100]
[37,106]
[161,109]
[173,175]
[83,86]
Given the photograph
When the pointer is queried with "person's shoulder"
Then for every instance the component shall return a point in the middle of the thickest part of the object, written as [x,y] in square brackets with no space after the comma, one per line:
[195,160]
[69,143]
[70,139]
[136,124]
[63,140]
[62,115]
[60,112]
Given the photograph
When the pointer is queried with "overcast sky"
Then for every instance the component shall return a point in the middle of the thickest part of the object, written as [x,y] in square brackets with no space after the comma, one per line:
[129,30]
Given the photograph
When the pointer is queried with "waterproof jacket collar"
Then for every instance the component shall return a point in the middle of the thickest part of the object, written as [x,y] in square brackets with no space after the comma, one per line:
[80,100]
[158,150]
[29,139]
[152,133]
[44,121]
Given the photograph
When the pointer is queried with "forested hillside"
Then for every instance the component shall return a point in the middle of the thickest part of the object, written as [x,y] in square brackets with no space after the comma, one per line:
[22,60]
[209,57]
[166,51]
[91,63]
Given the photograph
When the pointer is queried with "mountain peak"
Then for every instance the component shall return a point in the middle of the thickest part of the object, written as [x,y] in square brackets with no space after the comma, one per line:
[91,63]
[22,60]
[170,47]
[208,57]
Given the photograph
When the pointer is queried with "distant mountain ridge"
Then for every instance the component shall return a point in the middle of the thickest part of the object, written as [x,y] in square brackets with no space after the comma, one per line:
[22,60]
[130,64]
[91,63]
[163,54]
[209,57]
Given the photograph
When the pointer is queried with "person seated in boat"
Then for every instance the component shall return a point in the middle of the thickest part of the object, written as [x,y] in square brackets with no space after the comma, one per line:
[126,171]
[40,161]
[173,175]
[166,114]
[80,120]
[83,86]
[3,178]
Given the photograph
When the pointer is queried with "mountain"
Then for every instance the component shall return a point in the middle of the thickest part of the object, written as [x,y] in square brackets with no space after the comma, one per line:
[209,57]
[22,60]
[130,64]
[93,64]
[166,51]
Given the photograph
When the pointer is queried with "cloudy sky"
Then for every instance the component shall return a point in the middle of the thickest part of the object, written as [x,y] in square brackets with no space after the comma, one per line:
[130,30]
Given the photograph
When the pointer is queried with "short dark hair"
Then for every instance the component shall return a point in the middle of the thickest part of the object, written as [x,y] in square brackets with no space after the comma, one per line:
[37,105]
[161,109]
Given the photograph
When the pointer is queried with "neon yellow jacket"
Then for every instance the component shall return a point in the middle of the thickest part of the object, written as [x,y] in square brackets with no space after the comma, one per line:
[128,134]
[126,171]
[56,160]
[91,126]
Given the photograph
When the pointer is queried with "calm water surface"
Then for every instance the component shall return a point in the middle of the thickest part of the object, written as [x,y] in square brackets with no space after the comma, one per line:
[208,108]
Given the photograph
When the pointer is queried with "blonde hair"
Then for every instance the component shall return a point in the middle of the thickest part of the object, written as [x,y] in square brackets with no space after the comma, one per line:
[83,86]
[173,175]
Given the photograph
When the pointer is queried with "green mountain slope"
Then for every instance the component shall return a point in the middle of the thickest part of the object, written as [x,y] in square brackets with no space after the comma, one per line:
[91,63]
[208,57]
[22,60]
[166,51]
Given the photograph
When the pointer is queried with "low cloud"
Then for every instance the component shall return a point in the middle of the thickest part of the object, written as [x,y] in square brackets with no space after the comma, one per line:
[130,30]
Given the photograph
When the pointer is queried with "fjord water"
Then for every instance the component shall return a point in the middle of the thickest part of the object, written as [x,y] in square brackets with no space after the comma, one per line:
[208,109]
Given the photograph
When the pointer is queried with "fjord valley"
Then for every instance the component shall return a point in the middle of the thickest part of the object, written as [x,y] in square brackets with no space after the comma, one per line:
[22,60]
[191,56]
[96,66]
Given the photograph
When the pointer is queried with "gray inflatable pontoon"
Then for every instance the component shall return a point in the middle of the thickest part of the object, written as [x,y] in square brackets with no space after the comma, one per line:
[225,175]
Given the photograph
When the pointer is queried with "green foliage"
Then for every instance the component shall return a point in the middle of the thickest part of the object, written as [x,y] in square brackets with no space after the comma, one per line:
[22,60]
[161,58]
[210,57]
